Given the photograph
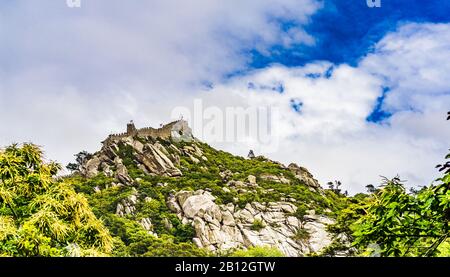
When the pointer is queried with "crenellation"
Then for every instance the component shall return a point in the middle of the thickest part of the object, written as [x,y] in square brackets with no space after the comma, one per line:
[177,130]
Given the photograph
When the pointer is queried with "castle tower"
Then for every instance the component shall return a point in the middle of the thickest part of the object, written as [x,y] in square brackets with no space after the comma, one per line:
[131,129]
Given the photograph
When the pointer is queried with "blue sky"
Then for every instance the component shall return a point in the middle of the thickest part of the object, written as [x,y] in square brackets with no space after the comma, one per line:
[361,92]
[346,30]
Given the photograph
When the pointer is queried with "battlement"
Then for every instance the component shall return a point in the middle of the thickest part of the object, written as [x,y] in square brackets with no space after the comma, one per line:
[177,130]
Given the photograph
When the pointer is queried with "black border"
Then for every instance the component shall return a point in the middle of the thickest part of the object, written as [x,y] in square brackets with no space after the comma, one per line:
[159,266]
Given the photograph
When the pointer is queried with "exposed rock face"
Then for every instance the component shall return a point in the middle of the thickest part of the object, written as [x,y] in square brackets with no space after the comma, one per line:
[199,205]
[251,179]
[146,223]
[122,172]
[319,237]
[194,153]
[226,175]
[274,178]
[152,158]
[90,168]
[218,227]
[127,206]
[167,224]
[240,184]
[304,175]
[155,159]
[223,227]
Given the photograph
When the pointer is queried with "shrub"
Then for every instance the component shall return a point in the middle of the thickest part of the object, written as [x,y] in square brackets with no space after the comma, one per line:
[258,251]
[302,235]
[257,225]
[40,215]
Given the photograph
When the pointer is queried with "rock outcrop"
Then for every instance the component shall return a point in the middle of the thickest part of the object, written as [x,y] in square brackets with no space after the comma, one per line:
[304,175]
[223,227]
[157,160]
[90,168]
[149,154]
[274,178]
[122,172]
[127,206]
[153,158]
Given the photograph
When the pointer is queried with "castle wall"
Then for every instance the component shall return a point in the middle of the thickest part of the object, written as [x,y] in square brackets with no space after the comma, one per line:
[164,132]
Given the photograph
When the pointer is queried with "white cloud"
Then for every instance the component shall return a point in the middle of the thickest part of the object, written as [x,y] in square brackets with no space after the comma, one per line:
[331,135]
[414,63]
[69,77]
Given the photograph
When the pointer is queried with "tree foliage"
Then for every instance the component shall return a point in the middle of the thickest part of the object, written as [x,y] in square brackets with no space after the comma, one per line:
[41,215]
[257,251]
[402,223]
[80,159]
[406,224]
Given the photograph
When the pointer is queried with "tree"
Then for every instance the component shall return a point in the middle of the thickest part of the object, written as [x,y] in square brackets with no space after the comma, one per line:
[335,186]
[330,185]
[41,215]
[408,224]
[370,188]
[83,156]
[80,159]
[72,167]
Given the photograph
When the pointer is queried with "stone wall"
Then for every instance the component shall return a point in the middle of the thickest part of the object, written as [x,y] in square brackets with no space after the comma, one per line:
[178,129]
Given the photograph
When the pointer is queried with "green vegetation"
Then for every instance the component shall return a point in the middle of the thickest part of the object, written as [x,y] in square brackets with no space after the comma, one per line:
[302,235]
[257,225]
[195,177]
[258,251]
[204,174]
[407,224]
[135,241]
[398,222]
[80,158]
[43,216]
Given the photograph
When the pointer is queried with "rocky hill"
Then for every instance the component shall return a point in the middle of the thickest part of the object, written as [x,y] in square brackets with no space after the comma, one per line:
[171,185]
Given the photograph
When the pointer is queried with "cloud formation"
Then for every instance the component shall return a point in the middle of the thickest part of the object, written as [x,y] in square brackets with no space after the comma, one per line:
[69,77]
[330,133]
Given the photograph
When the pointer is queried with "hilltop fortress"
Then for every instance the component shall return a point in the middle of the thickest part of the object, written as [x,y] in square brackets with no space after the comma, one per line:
[178,130]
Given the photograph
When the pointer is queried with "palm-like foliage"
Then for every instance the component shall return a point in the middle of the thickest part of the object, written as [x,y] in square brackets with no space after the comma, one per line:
[39,215]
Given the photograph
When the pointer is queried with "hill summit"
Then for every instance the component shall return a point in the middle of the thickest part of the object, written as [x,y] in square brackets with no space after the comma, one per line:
[165,182]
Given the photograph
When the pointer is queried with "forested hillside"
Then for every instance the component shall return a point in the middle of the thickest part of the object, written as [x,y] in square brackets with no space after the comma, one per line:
[147,196]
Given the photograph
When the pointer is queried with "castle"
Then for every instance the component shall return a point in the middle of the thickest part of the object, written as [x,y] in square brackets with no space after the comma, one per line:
[178,130]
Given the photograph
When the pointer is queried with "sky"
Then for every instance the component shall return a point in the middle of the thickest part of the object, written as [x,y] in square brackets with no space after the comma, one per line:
[359,92]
